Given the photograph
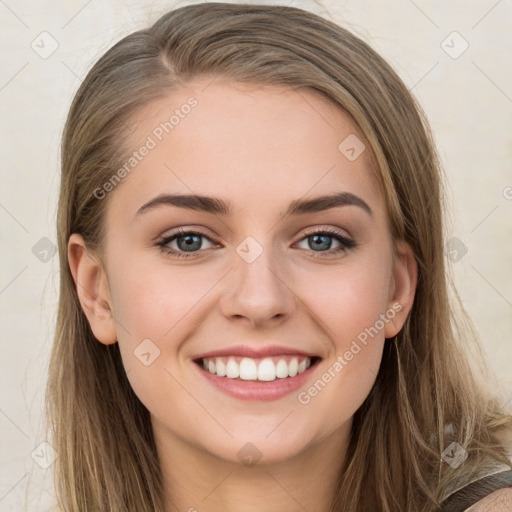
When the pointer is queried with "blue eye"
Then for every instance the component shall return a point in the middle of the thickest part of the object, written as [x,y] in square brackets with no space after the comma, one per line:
[322,239]
[189,243]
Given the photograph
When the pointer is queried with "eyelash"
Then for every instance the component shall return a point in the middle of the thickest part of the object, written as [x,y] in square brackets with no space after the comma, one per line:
[346,243]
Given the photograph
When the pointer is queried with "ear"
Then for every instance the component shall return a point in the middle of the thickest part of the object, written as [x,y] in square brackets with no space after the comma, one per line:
[402,288]
[92,289]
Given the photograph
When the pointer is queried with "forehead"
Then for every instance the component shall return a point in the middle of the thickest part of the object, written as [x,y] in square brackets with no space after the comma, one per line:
[254,145]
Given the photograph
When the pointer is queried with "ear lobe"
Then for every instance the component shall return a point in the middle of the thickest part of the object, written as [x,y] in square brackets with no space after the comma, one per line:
[403,287]
[92,288]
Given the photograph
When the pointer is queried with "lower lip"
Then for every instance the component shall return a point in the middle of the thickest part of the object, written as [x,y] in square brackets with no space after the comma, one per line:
[258,390]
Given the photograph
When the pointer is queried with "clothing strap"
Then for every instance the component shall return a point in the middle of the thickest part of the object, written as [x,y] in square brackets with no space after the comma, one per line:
[470,494]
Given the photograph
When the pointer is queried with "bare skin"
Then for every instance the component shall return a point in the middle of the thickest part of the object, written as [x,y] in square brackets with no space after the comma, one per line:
[260,148]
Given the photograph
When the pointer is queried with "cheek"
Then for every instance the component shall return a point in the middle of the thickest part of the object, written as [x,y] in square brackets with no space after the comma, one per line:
[150,301]
[156,308]
[349,313]
[348,304]
[348,299]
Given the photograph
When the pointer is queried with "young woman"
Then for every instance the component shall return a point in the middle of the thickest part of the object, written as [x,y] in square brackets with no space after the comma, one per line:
[254,308]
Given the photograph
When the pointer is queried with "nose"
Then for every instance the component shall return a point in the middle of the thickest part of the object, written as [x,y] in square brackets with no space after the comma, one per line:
[259,292]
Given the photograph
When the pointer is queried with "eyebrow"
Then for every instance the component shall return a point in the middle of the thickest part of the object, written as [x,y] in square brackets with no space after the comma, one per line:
[220,207]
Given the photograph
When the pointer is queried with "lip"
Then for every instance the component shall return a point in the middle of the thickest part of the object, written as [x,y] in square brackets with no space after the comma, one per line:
[257,390]
[255,352]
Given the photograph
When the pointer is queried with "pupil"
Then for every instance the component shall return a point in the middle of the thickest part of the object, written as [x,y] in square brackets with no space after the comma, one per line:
[318,241]
[189,241]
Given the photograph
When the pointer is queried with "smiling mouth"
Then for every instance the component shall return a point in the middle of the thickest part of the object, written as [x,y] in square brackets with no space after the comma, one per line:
[266,369]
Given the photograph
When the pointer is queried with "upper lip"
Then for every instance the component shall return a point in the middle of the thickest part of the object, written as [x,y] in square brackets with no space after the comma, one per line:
[256,352]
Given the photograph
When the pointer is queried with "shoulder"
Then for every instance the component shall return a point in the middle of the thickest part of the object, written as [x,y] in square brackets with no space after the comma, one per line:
[497,501]
[489,493]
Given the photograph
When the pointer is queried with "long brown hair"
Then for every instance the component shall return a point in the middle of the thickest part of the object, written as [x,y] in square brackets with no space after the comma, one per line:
[102,433]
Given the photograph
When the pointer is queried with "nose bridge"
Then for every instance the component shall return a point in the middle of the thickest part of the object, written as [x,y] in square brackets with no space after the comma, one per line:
[260,269]
[259,287]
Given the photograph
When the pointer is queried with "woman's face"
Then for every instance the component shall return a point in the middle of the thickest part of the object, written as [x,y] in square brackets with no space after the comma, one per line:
[281,279]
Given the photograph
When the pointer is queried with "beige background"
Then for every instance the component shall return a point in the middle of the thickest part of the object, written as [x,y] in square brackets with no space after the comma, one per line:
[466,95]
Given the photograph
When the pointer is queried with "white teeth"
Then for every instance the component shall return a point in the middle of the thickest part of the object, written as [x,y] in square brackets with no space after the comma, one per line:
[221,367]
[266,369]
[293,367]
[281,369]
[232,369]
[248,369]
